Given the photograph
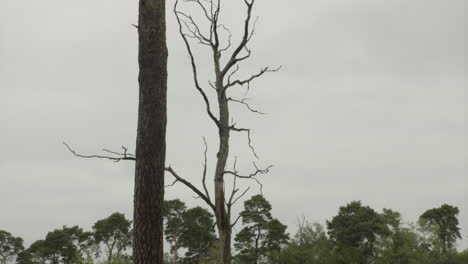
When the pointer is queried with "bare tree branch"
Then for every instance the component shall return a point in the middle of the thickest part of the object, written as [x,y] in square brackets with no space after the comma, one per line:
[214,26]
[208,15]
[234,190]
[118,156]
[251,175]
[172,184]
[241,195]
[247,130]
[235,222]
[205,164]
[196,32]
[251,78]
[194,68]
[247,34]
[232,73]
[243,101]
[191,186]
[228,45]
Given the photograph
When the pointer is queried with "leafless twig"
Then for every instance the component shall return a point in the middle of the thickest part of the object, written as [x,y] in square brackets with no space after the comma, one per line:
[194,67]
[205,164]
[247,130]
[116,158]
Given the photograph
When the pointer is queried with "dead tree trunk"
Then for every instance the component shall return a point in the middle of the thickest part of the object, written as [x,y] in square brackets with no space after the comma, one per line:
[151,134]
[222,216]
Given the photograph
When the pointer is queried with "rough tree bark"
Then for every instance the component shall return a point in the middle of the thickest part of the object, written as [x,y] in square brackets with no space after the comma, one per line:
[150,150]
[151,134]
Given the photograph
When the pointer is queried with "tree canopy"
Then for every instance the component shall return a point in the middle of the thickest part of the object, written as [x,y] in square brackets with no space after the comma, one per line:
[357,234]
[10,246]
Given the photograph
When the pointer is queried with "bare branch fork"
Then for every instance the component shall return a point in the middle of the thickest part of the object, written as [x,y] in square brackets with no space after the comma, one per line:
[233,200]
[249,139]
[192,58]
[251,78]
[203,196]
[251,176]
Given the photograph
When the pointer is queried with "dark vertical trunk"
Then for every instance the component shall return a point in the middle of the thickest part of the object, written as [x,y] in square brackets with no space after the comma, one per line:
[225,244]
[175,256]
[222,216]
[257,238]
[151,134]
[110,251]
[109,257]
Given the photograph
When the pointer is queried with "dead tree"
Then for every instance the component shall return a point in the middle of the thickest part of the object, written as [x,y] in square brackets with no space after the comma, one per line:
[225,79]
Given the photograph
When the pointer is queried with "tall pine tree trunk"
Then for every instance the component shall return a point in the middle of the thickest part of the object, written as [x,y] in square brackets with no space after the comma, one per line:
[151,134]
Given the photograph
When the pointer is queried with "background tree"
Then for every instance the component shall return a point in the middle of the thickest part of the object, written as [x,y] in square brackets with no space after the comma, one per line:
[402,243]
[262,235]
[37,253]
[461,257]
[173,228]
[115,233]
[400,246]
[87,247]
[59,246]
[192,229]
[310,245]
[198,235]
[355,231]
[276,239]
[443,222]
[217,38]
[10,246]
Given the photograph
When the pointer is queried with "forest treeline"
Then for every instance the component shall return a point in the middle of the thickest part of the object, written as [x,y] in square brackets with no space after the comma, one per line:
[356,235]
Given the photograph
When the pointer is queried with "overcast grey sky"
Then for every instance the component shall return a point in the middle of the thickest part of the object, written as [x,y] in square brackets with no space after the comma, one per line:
[371,105]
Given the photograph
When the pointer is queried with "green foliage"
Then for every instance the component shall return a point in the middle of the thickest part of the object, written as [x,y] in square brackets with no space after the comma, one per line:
[192,229]
[443,222]
[173,227]
[59,246]
[310,245]
[115,233]
[87,247]
[401,246]
[262,236]
[356,235]
[355,231]
[198,234]
[461,258]
[10,246]
[401,243]
[213,254]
